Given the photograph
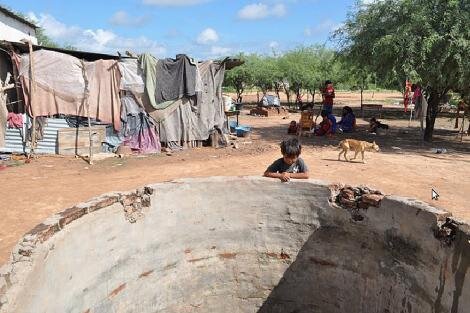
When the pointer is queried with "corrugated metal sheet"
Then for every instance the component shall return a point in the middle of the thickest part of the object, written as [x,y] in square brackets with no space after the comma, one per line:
[48,145]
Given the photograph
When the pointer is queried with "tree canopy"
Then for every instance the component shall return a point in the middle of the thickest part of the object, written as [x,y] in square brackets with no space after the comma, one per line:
[426,41]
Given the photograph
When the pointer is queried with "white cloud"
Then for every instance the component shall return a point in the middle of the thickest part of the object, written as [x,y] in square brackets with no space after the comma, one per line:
[121,18]
[257,11]
[95,40]
[325,26]
[32,17]
[174,2]
[54,28]
[217,51]
[254,11]
[273,44]
[207,36]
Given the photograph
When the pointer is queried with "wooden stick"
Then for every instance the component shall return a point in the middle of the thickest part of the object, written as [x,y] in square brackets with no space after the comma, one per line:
[90,136]
[32,88]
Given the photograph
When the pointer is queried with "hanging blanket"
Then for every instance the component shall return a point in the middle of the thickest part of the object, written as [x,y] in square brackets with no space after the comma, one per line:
[60,86]
[169,79]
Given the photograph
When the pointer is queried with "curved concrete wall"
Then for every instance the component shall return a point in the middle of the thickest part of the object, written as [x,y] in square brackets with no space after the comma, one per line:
[241,245]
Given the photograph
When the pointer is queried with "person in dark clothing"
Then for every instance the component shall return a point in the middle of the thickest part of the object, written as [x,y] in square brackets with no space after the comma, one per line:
[375,124]
[347,123]
[290,165]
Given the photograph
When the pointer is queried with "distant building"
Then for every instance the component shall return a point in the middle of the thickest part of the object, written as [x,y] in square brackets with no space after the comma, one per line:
[14,27]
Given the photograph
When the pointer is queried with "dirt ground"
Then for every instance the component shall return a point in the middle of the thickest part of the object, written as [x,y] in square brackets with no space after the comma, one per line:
[389,98]
[32,192]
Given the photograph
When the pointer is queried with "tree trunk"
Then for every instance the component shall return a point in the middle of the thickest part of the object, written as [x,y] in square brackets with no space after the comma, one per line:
[277,89]
[239,94]
[288,97]
[362,90]
[433,105]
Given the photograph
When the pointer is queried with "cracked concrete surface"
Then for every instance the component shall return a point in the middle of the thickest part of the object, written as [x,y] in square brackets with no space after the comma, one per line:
[242,244]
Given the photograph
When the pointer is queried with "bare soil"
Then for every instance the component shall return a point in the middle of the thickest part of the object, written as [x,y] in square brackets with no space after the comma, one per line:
[405,166]
[389,98]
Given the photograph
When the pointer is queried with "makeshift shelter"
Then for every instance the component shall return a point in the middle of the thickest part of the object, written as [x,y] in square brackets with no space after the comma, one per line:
[140,102]
[185,110]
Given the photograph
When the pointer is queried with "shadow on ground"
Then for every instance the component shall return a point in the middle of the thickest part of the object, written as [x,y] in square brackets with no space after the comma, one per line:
[399,139]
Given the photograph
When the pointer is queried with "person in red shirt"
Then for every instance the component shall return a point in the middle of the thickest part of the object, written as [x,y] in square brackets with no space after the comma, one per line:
[328,96]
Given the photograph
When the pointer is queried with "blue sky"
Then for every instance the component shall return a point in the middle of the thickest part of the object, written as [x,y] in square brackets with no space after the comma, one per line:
[200,28]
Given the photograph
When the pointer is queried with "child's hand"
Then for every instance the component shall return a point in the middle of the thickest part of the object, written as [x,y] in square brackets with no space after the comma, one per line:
[285,177]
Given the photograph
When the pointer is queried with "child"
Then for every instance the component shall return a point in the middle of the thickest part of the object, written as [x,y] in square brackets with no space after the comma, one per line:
[348,120]
[374,125]
[293,128]
[328,94]
[290,165]
[326,125]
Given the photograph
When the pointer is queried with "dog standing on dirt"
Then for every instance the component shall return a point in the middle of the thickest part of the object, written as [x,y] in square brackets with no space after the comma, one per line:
[357,146]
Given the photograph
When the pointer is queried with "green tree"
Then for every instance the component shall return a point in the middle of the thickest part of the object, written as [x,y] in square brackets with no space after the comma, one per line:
[44,40]
[239,78]
[426,41]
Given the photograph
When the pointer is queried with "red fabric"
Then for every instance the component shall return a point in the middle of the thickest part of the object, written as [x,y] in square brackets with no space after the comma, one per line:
[15,120]
[329,94]
[416,94]
[407,95]
[325,128]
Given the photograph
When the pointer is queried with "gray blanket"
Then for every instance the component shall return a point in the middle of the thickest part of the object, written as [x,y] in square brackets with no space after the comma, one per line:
[176,78]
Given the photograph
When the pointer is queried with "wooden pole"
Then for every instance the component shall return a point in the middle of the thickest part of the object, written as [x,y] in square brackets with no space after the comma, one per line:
[32,88]
[90,136]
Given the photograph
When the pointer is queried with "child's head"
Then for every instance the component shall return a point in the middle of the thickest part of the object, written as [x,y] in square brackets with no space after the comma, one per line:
[324,114]
[291,149]
[347,110]
[373,120]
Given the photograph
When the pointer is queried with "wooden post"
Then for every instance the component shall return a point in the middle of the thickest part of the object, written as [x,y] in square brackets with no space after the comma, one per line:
[32,88]
[86,94]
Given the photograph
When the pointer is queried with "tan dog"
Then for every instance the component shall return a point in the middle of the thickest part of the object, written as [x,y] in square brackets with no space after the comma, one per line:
[357,146]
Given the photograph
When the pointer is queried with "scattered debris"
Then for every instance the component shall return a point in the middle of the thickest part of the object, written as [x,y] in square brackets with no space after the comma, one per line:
[355,199]
[439,150]
[447,231]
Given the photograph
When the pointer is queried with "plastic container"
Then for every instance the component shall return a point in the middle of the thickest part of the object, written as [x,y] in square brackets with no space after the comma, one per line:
[242,131]
[227,103]
[232,125]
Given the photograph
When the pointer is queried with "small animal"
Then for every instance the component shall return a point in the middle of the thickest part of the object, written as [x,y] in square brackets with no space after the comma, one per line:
[357,146]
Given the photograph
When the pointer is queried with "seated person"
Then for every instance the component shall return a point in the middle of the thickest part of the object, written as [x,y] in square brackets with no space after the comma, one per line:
[374,125]
[334,125]
[293,128]
[326,125]
[347,123]
[290,165]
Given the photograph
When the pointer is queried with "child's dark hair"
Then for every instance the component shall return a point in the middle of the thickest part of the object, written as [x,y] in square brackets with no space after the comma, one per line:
[291,147]
[324,113]
[347,109]
[327,82]
[373,120]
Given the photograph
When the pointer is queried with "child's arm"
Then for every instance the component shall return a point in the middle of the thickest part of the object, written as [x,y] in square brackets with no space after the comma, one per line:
[282,176]
[299,175]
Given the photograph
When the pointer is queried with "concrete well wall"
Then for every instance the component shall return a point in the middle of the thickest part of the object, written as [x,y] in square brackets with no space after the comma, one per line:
[240,245]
